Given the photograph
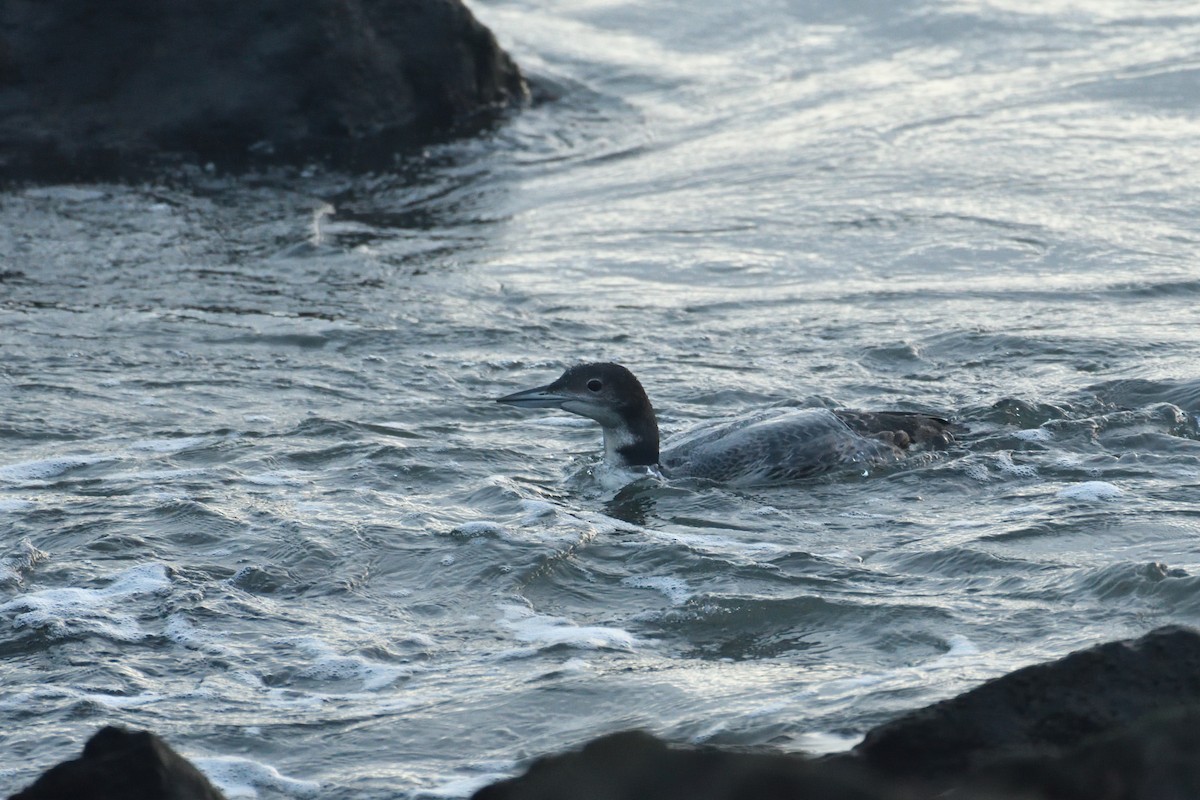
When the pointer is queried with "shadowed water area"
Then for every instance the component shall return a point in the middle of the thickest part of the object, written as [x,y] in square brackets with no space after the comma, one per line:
[255,494]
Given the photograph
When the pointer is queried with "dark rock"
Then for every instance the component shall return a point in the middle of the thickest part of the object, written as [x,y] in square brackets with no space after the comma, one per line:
[122,765]
[635,765]
[1045,708]
[1156,759]
[1120,721]
[95,89]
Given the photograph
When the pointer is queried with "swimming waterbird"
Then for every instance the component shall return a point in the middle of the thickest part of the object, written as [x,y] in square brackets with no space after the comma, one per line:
[776,446]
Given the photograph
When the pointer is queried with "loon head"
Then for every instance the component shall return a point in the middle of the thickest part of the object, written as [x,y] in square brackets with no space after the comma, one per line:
[609,394]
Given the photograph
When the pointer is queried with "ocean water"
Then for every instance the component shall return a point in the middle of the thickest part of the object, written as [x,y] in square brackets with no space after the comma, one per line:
[254,494]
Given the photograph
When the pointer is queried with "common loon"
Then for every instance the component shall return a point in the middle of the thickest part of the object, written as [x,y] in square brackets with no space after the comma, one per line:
[773,447]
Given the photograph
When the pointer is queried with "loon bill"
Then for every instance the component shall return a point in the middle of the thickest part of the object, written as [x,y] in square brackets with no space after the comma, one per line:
[773,447]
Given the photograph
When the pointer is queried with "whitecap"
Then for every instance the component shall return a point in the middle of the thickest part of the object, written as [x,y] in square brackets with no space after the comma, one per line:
[67,193]
[466,786]
[328,665]
[676,590]
[71,611]
[117,702]
[978,472]
[277,478]
[11,567]
[243,778]
[537,509]
[1005,461]
[168,445]
[181,631]
[42,469]
[479,528]
[1091,491]
[548,631]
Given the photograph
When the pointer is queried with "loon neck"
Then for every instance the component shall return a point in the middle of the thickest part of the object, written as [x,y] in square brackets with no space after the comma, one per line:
[633,442]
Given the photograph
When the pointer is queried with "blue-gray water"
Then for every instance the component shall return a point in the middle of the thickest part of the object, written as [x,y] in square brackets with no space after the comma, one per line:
[254,496]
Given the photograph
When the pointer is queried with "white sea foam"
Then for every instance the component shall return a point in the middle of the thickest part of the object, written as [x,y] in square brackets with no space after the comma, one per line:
[766,511]
[537,509]
[277,478]
[329,665]
[66,193]
[1004,460]
[159,475]
[823,742]
[567,421]
[11,504]
[27,699]
[961,646]
[40,470]
[117,702]
[716,544]
[1034,435]
[168,445]
[1091,491]
[977,471]
[27,556]
[72,611]
[676,590]
[38,695]
[480,528]
[180,630]
[243,778]
[461,787]
[614,478]
[548,631]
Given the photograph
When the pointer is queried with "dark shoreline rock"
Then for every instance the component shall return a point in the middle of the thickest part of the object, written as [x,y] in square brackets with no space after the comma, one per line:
[1157,758]
[121,765]
[99,90]
[634,764]
[1046,707]
[1119,721]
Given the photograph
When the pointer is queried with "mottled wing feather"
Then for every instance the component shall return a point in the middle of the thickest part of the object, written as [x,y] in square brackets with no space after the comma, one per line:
[901,428]
[780,447]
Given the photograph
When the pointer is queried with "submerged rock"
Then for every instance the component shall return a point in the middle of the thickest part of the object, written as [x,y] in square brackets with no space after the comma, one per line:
[96,89]
[121,765]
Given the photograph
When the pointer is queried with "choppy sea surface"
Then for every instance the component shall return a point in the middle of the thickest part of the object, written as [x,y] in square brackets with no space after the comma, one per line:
[254,494]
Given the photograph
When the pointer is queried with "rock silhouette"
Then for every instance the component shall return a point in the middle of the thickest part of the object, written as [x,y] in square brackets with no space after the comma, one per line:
[99,89]
[122,765]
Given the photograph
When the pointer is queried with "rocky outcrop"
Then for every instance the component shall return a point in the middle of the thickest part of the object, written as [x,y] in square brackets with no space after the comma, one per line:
[97,89]
[1118,721]
[1045,708]
[630,765]
[1156,758]
[120,765]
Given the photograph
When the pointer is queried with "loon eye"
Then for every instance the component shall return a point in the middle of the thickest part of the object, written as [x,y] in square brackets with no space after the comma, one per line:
[594,385]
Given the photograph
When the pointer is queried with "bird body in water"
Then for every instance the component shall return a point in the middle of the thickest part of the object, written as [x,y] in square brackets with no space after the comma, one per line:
[773,447]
